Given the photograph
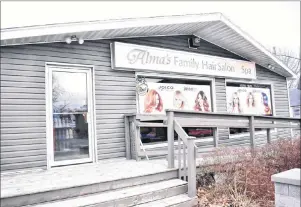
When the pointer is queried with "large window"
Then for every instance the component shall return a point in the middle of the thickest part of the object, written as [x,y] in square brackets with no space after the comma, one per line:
[169,93]
[245,98]
[162,94]
[248,98]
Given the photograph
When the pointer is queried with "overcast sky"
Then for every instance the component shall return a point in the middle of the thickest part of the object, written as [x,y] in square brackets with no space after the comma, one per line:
[271,23]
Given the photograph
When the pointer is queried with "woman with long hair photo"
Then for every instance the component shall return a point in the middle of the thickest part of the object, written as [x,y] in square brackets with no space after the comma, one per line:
[251,106]
[201,102]
[235,104]
[265,101]
[179,101]
[153,102]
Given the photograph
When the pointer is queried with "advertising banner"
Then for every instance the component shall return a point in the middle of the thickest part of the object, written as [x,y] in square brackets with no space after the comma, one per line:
[249,99]
[162,96]
[144,58]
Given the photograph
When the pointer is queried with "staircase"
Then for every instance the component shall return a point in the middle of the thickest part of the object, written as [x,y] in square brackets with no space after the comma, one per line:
[159,189]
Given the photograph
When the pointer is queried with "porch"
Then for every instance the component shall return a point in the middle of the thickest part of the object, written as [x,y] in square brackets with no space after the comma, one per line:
[126,182]
[106,183]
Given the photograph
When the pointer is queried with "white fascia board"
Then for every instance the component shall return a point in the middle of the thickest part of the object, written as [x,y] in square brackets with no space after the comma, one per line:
[68,28]
[257,44]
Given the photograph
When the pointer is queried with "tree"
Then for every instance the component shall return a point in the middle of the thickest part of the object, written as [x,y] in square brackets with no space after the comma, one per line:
[59,92]
[292,61]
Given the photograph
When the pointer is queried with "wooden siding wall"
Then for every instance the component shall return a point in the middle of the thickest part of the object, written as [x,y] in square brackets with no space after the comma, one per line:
[23,124]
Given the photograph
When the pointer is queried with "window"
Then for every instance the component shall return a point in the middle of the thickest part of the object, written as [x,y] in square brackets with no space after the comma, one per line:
[174,93]
[246,98]
[241,130]
[166,93]
[159,134]
[153,134]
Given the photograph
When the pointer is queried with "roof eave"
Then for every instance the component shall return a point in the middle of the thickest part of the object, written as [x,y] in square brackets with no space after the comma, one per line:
[41,30]
[73,28]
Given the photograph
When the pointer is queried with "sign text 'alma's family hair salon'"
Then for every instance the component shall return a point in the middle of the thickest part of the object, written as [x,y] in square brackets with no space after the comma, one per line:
[137,57]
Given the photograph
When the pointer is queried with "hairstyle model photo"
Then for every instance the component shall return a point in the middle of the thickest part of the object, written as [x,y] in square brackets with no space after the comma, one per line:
[153,102]
[235,104]
[251,106]
[265,101]
[201,102]
[250,100]
[179,101]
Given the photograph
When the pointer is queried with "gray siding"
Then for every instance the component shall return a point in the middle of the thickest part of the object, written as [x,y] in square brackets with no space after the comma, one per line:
[23,127]
[280,96]
[23,124]
[23,117]
[221,105]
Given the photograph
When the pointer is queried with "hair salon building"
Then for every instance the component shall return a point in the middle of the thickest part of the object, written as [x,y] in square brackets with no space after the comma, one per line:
[63,100]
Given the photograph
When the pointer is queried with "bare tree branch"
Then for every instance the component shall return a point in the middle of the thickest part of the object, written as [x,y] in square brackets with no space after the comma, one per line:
[292,62]
[288,56]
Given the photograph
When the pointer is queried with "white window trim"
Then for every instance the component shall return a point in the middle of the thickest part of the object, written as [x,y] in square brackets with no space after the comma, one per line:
[48,112]
[231,136]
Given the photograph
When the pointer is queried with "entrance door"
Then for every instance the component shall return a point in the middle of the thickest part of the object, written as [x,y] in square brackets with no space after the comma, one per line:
[69,115]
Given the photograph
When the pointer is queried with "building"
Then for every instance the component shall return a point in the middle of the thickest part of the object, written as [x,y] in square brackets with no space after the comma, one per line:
[66,88]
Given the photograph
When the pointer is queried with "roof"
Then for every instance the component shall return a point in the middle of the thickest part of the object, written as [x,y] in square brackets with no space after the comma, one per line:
[212,27]
[295,95]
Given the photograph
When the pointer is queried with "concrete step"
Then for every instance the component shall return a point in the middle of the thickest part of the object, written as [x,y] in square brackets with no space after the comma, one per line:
[175,201]
[130,196]
[54,193]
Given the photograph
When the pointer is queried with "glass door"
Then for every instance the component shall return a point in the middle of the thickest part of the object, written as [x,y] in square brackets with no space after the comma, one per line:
[71,122]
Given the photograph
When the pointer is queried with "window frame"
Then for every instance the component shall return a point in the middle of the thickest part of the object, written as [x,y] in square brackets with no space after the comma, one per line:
[244,81]
[49,66]
[183,77]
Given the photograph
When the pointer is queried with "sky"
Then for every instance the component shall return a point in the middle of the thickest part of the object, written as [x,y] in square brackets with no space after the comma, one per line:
[272,23]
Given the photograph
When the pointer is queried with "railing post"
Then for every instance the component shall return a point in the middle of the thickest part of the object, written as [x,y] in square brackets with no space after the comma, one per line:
[215,137]
[127,138]
[191,167]
[252,131]
[170,138]
[136,135]
[269,137]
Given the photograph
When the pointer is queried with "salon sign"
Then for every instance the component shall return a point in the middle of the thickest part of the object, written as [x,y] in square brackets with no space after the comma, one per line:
[144,58]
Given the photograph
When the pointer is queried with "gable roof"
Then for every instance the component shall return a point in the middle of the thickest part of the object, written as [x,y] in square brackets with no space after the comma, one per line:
[212,27]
